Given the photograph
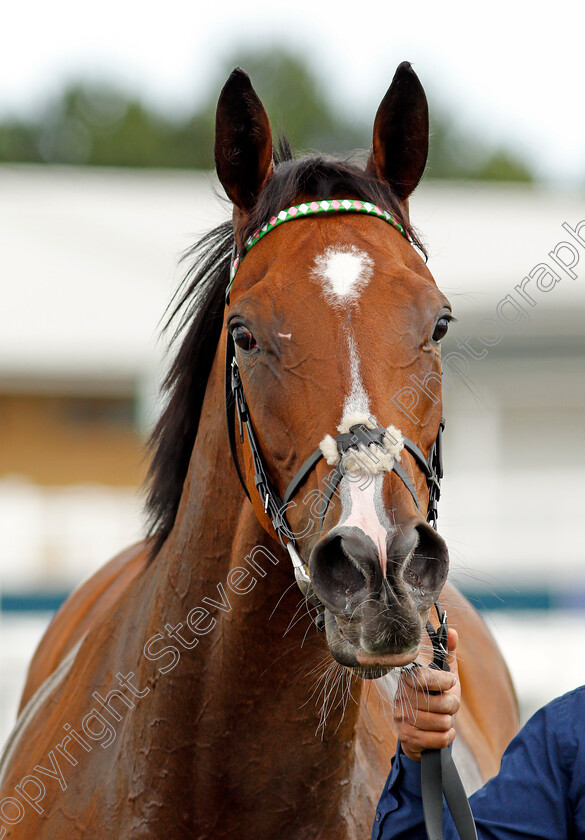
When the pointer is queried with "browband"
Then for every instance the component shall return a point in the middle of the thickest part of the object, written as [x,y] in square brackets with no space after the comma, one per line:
[313,208]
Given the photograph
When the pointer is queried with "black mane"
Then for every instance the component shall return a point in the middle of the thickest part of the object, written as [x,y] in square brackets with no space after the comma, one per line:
[200,307]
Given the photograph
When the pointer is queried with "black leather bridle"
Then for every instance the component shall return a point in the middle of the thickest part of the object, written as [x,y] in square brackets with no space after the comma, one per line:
[439,775]
[237,406]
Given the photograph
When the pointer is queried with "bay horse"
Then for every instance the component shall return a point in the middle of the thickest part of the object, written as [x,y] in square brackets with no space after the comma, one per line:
[186,690]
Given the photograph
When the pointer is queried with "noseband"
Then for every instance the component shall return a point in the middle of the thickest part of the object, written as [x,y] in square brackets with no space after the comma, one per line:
[358,435]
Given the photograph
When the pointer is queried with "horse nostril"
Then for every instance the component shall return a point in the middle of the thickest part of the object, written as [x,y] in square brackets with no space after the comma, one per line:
[427,569]
[337,579]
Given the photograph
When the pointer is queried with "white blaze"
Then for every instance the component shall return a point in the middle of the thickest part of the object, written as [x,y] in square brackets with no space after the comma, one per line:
[365,517]
[343,271]
[357,399]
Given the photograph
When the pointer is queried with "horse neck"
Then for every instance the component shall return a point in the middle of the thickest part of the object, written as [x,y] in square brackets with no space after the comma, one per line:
[259,664]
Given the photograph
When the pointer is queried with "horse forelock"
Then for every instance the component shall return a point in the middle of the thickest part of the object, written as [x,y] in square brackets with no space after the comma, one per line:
[319,177]
[196,314]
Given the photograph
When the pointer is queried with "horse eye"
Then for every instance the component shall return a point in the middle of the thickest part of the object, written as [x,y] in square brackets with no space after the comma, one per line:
[441,328]
[244,338]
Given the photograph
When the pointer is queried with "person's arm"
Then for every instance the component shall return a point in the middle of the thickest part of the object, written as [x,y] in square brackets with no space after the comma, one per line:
[538,793]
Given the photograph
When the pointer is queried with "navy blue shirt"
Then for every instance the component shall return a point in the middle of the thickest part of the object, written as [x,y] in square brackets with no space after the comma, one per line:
[538,793]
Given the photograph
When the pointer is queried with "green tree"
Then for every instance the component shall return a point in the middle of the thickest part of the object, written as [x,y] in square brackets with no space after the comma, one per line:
[18,142]
[297,104]
[98,125]
[455,153]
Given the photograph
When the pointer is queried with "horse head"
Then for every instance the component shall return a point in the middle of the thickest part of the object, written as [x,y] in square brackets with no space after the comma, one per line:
[335,325]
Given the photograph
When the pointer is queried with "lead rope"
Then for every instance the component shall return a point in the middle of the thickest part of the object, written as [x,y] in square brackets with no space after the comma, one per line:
[439,775]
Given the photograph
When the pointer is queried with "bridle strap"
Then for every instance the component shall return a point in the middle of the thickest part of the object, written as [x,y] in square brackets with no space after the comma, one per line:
[348,439]
[405,480]
[236,403]
[230,405]
[273,505]
[301,474]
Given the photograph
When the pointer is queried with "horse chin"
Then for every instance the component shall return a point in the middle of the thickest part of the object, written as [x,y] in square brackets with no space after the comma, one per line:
[360,662]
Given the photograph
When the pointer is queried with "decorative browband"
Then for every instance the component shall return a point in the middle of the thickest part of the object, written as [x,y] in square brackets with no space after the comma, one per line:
[314,208]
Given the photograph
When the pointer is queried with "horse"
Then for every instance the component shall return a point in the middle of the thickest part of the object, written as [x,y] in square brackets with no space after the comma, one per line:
[188,689]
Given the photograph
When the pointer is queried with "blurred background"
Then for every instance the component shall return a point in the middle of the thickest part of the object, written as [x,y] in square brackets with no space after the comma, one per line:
[106,136]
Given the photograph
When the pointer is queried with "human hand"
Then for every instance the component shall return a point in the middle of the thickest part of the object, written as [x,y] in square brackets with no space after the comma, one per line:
[425,721]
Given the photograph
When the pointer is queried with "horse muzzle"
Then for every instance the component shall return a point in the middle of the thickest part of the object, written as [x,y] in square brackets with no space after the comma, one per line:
[376,607]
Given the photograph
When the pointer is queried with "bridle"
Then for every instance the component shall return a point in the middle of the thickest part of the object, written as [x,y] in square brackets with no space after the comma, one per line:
[439,775]
[358,435]
[275,508]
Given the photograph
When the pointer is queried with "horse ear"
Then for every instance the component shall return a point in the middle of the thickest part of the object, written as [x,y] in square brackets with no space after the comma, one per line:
[401,133]
[243,141]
